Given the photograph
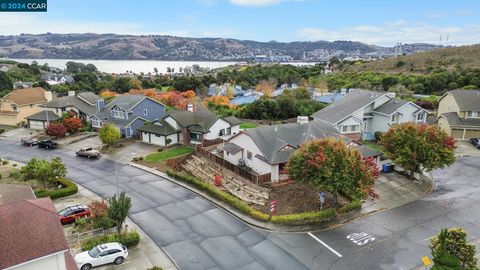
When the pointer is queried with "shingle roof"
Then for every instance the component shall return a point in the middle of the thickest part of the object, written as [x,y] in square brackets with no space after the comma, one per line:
[194,121]
[30,230]
[11,193]
[26,96]
[455,121]
[367,152]
[391,106]
[126,102]
[41,116]
[342,108]
[467,100]
[77,102]
[231,148]
[278,142]
[163,129]
[232,120]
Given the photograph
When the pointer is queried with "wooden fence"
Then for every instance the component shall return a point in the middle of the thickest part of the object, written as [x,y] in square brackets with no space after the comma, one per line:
[207,143]
[177,161]
[252,177]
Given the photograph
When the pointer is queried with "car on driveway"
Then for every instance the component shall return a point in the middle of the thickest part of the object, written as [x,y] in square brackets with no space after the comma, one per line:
[29,142]
[47,144]
[475,142]
[71,213]
[88,152]
[102,254]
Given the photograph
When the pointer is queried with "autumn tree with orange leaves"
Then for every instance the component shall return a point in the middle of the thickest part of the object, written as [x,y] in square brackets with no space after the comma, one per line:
[417,147]
[332,166]
[266,87]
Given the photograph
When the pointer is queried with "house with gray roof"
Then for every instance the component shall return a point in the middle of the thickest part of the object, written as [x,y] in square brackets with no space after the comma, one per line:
[267,149]
[459,113]
[128,113]
[361,113]
[189,127]
[83,105]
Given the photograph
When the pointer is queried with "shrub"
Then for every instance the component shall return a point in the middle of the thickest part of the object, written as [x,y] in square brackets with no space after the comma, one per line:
[81,223]
[103,222]
[73,124]
[98,208]
[304,218]
[378,135]
[4,162]
[2,130]
[128,239]
[353,205]
[56,130]
[14,174]
[155,268]
[14,164]
[69,188]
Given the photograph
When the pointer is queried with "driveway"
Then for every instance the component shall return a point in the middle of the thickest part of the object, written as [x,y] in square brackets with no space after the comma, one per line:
[193,232]
[465,148]
[19,133]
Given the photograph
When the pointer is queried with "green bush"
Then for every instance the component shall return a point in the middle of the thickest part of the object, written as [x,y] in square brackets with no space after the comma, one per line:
[69,188]
[103,222]
[4,162]
[128,239]
[2,130]
[353,205]
[160,150]
[304,218]
[14,174]
[155,268]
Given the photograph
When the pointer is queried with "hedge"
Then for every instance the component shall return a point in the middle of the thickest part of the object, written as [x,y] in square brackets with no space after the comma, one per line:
[128,239]
[292,219]
[353,205]
[70,188]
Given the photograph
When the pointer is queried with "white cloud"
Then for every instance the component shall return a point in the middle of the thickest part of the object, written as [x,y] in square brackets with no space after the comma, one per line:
[389,34]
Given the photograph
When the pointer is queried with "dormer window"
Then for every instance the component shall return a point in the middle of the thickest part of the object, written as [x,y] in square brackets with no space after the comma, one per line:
[473,114]
[119,113]
[395,119]
[420,117]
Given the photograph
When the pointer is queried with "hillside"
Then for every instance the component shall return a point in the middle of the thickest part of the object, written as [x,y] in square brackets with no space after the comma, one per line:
[129,47]
[451,59]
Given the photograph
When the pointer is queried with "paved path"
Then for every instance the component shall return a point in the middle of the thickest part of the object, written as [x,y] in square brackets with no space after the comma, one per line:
[194,233]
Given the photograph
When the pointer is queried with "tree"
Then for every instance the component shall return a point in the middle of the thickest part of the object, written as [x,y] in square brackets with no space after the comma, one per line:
[118,209]
[6,82]
[415,147]
[73,124]
[56,130]
[450,250]
[44,171]
[109,134]
[329,164]
[266,86]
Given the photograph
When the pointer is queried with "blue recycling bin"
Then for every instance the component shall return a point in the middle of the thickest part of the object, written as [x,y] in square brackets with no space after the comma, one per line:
[387,167]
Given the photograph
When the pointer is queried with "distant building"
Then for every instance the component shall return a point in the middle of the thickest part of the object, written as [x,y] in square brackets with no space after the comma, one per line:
[20,103]
[54,79]
[20,85]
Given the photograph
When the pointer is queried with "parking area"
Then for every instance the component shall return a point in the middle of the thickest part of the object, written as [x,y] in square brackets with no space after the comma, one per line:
[465,148]
[141,257]
[19,133]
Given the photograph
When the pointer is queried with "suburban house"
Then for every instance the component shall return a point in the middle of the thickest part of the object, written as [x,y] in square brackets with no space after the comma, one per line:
[127,113]
[20,103]
[459,113]
[54,79]
[361,113]
[20,84]
[189,128]
[32,237]
[42,119]
[267,149]
[83,105]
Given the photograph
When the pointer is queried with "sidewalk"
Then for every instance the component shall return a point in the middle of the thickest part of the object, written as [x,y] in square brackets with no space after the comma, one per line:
[141,257]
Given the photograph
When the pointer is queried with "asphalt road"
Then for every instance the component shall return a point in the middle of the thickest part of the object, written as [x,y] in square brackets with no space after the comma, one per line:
[197,235]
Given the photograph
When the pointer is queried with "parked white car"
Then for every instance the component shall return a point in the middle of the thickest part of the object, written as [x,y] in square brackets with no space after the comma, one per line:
[102,254]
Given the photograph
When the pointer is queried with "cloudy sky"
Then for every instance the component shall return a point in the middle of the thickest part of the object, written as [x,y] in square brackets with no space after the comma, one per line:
[380,22]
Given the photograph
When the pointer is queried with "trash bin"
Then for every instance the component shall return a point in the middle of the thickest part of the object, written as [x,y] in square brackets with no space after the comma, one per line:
[387,167]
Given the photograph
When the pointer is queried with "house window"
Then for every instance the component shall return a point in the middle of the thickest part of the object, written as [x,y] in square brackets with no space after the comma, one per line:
[344,128]
[118,114]
[145,112]
[196,137]
[221,132]
[249,155]
[14,107]
[420,117]
[96,123]
[350,128]
[228,131]
[473,115]
[395,118]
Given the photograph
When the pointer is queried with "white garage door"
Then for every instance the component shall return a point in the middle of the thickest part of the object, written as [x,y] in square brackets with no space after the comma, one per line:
[36,124]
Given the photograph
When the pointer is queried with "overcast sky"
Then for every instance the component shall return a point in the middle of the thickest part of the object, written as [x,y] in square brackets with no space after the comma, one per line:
[380,22]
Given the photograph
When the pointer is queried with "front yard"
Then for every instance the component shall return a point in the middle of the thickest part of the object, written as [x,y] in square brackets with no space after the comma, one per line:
[168,154]
[248,125]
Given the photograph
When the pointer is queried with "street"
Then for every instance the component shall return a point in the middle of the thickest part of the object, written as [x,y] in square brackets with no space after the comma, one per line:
[198,235]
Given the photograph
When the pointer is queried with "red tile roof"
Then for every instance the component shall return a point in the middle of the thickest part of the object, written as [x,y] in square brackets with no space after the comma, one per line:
[30,229]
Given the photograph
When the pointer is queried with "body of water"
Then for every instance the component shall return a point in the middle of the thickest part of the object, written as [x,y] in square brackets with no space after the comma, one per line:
[137,66]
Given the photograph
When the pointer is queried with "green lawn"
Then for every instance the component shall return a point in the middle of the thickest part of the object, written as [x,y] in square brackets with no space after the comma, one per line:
[165,88]
[248,125]
[168,154]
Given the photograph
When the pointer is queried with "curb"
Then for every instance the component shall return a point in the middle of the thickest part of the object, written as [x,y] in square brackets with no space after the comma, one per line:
[335,221]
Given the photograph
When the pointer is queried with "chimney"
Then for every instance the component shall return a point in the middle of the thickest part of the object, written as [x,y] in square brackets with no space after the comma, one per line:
[48,95]
[71,93]
[190,107]
[100,104]
[302,119]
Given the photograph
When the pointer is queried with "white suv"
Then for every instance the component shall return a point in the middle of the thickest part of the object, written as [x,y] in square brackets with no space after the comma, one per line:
[102,254]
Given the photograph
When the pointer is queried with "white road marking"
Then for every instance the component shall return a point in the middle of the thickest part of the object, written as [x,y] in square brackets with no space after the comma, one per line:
[325,245]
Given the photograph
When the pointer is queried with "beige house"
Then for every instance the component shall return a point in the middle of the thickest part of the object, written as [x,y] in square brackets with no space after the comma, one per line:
[459,114]
[20,103]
